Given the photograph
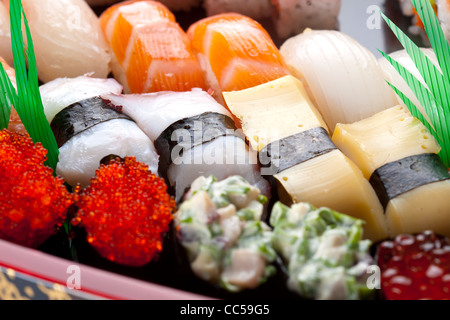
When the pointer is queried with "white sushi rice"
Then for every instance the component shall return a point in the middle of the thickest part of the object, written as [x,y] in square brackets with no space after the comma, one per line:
[80,157]
[223,157]
[62,92]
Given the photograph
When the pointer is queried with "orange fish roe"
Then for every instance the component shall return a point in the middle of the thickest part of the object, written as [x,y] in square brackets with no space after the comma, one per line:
[33,203]
[126,211]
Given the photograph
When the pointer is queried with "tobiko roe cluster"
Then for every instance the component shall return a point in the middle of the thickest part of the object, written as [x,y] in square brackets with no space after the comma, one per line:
[125,211]
[33,203]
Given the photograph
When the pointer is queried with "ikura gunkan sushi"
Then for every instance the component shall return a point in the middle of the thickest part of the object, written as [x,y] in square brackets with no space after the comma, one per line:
[87,130]
[151,52]
[415,267]
[194,136]
[219,225]
[297,152]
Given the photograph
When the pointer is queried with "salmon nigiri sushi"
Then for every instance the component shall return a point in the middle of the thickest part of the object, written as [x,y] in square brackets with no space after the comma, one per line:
[235,52]
[151,52]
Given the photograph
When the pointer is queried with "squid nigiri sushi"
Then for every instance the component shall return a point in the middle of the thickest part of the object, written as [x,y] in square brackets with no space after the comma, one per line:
[59,93]
[194,136]
[151,52]
[235,52]
[343,78]
[67,39]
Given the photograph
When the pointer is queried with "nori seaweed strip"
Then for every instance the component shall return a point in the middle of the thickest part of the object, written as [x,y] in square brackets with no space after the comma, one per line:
[81,116]
[293,150]
[188,133]
[398,177]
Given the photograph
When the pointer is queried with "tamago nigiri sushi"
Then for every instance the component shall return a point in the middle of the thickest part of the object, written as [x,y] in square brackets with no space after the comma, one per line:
[151,52]
[235,52]
[296,152]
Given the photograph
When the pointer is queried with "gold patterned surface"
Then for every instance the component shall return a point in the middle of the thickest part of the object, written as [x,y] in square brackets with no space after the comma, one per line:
[19,286]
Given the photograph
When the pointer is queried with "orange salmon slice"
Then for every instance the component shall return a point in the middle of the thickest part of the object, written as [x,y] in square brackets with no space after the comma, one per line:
[118,22]
[162,60]
[153,51]
[240,52]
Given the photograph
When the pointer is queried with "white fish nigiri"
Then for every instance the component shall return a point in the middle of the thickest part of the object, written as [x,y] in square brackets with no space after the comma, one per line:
[67,39]
[80,156]
[342,77]
[86,145]
[154,112]
[223,156]
[62,92]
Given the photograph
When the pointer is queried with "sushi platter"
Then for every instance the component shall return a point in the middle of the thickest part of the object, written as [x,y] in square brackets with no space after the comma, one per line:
[204,150]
